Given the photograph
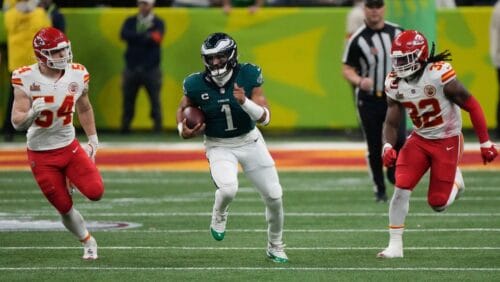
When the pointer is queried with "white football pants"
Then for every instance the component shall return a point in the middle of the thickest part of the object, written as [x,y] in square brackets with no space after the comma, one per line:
[258,166]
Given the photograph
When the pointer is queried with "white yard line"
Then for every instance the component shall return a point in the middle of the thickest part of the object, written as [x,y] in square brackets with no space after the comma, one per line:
[259,214]
[353,269]
[245,248]
[383,230]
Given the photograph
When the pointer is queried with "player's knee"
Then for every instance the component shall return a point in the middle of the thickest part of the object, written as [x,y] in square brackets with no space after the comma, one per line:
[273,203]
[228,189]
[96,191]
[63,207]
[438,201]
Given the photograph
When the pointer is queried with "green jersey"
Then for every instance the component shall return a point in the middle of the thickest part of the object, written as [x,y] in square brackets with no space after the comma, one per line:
[224,117]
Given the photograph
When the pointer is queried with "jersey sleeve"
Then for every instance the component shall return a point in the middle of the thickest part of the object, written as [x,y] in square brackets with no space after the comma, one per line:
[391,85]
[20,79]
[252,74]
[441,73]
[191,84]
[352,53]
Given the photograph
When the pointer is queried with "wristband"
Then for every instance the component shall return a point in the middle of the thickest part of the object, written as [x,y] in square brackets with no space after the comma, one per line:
[268,117]
[486,144]
[386,146]
[180,127]
[252,109]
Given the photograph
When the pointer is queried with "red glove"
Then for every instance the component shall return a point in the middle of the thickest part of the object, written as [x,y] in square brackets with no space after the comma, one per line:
[389,155]
[488,151]
[156,36]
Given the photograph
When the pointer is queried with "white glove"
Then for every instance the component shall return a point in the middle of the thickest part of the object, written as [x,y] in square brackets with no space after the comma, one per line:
[91,147]
[38,106]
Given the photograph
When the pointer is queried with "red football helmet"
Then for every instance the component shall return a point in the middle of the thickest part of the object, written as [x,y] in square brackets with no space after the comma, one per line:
[409,52]
[52,48]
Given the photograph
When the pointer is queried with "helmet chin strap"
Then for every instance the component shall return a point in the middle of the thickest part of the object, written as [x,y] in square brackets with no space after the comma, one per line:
[221,80]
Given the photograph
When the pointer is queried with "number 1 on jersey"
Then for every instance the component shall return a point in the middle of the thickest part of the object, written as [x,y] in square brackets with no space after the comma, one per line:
[226,109]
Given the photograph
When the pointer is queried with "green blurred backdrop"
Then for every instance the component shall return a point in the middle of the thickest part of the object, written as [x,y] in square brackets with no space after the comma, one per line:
[299,50]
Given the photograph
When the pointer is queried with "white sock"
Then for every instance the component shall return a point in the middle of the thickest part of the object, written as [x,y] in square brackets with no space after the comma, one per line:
[222,201]
[74,222]
[399,206]
[275,219]
[396,238]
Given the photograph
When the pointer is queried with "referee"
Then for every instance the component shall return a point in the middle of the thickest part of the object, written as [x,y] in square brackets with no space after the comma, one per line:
[366,63]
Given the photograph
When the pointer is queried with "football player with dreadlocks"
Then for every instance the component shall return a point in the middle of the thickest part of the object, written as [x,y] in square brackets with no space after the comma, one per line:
[426,86]
[230,95]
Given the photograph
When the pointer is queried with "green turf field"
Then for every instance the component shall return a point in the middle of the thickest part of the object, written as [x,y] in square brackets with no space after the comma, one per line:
[333,230]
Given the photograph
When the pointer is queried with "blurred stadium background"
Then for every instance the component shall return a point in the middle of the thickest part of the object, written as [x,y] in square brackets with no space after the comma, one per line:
[298,48]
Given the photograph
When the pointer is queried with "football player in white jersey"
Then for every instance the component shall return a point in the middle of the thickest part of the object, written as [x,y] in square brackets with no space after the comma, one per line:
[46,95]
[426,86]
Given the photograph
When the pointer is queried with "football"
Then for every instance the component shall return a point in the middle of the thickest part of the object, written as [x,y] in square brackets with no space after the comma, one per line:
[193,116]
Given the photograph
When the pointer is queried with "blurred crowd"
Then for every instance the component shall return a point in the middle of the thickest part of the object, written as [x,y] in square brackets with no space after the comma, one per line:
[217,3]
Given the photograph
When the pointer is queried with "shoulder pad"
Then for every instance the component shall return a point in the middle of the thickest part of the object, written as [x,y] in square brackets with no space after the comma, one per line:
[391,82]
[440,72]
[78,67]
[252,72]
[192,82]
[22,71]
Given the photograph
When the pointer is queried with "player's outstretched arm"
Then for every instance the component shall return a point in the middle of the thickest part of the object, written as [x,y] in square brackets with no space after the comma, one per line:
[457,93]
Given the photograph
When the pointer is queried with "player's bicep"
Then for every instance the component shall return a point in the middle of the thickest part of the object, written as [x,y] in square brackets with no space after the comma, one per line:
[83,103]
[456,92]
[394,111]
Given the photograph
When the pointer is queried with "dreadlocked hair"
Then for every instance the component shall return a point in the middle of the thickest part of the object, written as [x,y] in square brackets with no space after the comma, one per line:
[443,56]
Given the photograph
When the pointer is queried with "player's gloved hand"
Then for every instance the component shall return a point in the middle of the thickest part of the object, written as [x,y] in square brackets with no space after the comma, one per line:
[488,151]
[389,155]
[91,147]
[186,132]
[38,106]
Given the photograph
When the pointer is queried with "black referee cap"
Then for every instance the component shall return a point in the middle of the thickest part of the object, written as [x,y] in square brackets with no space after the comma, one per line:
[374,3]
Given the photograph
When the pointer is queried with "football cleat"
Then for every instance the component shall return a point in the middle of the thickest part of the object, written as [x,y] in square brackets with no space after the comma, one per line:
[90,249]
[391,252]
[276,252]
[218,225]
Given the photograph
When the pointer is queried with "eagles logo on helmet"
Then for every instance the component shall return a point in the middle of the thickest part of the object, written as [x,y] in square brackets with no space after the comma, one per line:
[51,41]
[220,55]
[409,52]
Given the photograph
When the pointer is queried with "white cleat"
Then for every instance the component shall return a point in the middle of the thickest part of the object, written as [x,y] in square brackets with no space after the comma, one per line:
[218,225]
[276,252]
[90,249]
[391,252]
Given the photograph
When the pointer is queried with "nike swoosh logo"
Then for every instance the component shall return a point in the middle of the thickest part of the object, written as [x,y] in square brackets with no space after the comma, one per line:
[449,148]
[75,150]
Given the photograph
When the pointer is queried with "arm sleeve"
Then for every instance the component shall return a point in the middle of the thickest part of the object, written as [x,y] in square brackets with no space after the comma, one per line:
[472,106]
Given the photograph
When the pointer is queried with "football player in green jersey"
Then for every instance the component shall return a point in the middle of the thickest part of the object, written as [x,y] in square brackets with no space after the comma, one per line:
[230,95]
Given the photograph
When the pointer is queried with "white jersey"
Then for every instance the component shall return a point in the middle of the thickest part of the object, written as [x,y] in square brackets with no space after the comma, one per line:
[53,128]
[433,115]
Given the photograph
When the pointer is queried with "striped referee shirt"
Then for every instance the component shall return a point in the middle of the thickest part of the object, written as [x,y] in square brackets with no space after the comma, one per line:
[368,51]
